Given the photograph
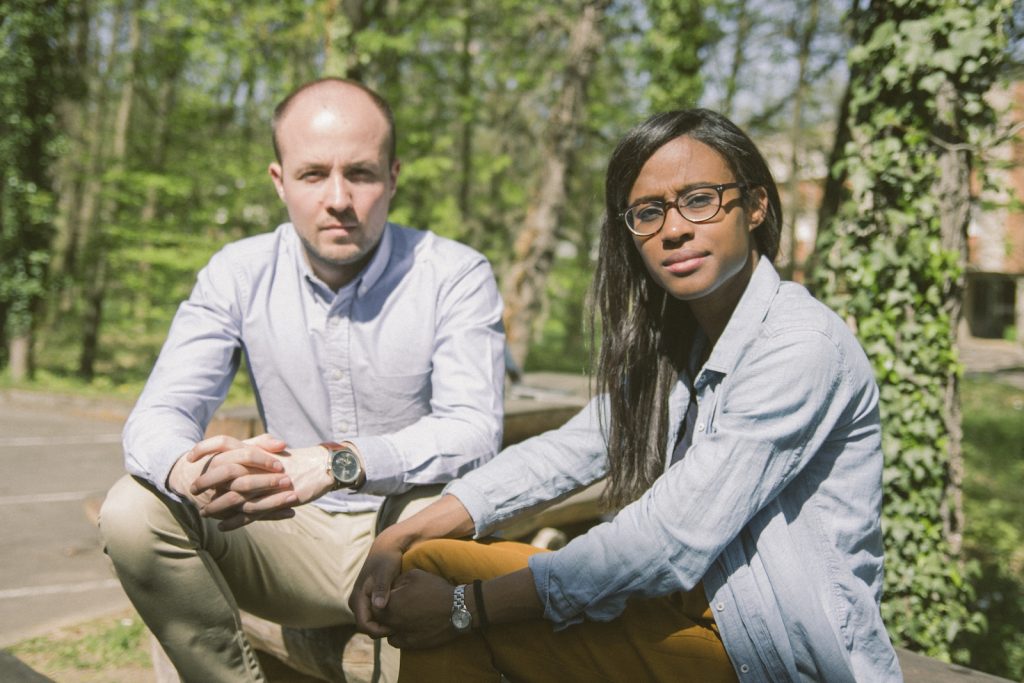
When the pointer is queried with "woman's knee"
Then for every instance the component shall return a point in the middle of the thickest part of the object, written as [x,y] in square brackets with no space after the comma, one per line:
[462,560]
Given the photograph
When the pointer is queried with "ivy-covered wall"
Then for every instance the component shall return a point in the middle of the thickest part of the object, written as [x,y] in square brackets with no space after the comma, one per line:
[891,261]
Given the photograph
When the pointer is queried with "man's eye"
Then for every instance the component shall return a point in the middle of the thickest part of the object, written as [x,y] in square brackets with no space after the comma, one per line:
[648,213]
[362,175]
[311,175]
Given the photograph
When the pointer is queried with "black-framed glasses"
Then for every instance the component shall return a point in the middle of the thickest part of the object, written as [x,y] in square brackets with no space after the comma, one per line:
[697,205]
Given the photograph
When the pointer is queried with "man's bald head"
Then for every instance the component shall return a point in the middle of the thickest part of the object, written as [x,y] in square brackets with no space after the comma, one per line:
[335,86]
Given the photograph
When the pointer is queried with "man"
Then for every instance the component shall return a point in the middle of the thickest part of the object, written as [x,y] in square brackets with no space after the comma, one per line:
[381,342]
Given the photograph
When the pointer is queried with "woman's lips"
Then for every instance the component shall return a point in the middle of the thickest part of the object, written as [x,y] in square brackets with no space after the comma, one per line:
[684,261]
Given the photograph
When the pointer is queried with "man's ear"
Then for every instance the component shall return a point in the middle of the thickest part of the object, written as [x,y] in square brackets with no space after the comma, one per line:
[757,213]
[396,166]
[277,175]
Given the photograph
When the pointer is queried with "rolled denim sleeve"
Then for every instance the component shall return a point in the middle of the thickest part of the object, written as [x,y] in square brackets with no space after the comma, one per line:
[758,426]
[536,471]
[464,425]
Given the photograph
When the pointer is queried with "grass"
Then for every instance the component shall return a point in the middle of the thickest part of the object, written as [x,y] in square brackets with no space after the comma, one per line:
[993,425]
[106,650]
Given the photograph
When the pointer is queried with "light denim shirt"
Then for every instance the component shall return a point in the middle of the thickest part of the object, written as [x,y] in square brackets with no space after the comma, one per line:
[406,362]
[775,506]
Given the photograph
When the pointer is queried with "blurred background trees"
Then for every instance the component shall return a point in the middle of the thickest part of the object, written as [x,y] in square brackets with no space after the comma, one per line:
[135,139]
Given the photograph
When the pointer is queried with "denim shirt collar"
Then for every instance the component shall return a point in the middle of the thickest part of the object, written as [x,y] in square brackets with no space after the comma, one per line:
[740,332]
[745,322]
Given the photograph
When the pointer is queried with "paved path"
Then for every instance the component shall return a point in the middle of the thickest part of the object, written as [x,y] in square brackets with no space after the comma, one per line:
[56,464]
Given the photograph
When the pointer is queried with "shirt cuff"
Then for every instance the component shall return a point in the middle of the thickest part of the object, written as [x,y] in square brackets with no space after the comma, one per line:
[476,505]
[383,465]
[540,566]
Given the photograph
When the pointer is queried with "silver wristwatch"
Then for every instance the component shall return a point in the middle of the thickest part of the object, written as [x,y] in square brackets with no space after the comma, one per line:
[462,620]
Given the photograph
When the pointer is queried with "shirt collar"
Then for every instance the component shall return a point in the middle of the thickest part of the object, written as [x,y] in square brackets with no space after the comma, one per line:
[378,262]
[369,275]
[745,321]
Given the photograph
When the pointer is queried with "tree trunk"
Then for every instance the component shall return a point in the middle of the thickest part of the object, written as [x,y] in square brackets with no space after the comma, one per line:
[467,111]
[743,26]
[533,250]
[805,36]
[954,196]
[19,363]
[96,288]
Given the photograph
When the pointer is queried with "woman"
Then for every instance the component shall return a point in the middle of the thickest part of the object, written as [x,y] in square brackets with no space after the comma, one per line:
[737,424]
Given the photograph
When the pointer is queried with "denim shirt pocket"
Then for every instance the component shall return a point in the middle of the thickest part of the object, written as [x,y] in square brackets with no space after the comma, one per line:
[708,387]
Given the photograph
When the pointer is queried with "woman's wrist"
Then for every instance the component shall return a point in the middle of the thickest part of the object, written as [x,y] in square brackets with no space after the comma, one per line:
[479,612]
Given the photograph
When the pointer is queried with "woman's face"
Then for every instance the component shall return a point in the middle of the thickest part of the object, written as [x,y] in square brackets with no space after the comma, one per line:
[697,261]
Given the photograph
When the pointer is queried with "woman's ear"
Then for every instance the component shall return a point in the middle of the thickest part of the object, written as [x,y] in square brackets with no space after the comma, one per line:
[758,209]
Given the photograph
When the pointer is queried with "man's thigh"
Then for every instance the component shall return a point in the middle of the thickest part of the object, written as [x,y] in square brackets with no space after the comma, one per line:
[296,572]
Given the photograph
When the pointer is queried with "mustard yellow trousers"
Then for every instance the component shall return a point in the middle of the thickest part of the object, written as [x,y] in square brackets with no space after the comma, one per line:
[673,638]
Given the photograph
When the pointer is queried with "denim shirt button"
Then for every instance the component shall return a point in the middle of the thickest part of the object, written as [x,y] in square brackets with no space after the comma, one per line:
[744,668]
[700,427]
[720,606]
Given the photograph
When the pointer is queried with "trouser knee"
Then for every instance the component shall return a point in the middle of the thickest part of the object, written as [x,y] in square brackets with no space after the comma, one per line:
[463,561]
[132,519]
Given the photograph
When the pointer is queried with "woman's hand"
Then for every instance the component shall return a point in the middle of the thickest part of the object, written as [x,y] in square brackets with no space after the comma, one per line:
[419,610]
[373,586]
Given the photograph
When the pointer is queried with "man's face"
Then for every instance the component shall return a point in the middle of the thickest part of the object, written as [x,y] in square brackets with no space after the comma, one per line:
[335,178]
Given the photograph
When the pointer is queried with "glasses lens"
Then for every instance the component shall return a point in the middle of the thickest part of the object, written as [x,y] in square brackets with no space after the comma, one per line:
[645,219]
[700,205]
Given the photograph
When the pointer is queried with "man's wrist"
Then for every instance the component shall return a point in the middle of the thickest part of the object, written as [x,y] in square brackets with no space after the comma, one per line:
[175,481]
[344,466]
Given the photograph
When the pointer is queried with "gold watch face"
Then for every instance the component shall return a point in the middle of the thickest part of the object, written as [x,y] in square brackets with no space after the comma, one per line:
[345,467]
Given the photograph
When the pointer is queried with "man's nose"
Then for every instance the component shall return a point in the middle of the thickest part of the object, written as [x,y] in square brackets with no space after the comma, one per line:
[338,195]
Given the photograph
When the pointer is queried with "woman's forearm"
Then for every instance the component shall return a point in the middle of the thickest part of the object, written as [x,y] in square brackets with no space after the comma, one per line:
[508,598]
[444,518]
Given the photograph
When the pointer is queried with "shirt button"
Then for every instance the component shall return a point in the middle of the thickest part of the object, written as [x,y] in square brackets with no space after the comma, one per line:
[744,668]
[336,374]
[720,606]
[700,427]
[342,426]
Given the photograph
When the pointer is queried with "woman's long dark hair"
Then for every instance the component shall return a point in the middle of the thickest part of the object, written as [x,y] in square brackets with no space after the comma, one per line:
[646,335]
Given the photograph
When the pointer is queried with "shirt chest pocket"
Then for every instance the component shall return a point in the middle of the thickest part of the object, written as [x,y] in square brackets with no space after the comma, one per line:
[708,393]
[386,403]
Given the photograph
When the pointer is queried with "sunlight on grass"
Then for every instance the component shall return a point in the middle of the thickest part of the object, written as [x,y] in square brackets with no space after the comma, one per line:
[103,645]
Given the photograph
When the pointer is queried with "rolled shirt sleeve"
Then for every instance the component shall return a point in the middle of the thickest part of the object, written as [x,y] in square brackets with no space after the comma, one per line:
[463,426]
[190,379]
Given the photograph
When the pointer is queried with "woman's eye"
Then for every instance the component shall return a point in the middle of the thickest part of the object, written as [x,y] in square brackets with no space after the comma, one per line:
[651,212]
[698,200]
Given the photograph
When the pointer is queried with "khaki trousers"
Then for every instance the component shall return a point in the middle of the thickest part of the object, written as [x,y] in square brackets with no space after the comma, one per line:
[673,638]
[188,580]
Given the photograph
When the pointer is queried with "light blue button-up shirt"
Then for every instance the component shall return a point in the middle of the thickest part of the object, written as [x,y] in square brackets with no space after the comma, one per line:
[775,506]
[406,361]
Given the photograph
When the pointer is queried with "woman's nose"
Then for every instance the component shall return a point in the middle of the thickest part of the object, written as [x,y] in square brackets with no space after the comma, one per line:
[675,228]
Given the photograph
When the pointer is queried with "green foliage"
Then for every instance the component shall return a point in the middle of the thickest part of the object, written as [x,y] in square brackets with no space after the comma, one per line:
[884,266]
[673,47]
[29,83]
[994,529]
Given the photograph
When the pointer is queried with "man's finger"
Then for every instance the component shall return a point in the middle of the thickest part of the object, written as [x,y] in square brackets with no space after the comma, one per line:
[267,442]
[215,444]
